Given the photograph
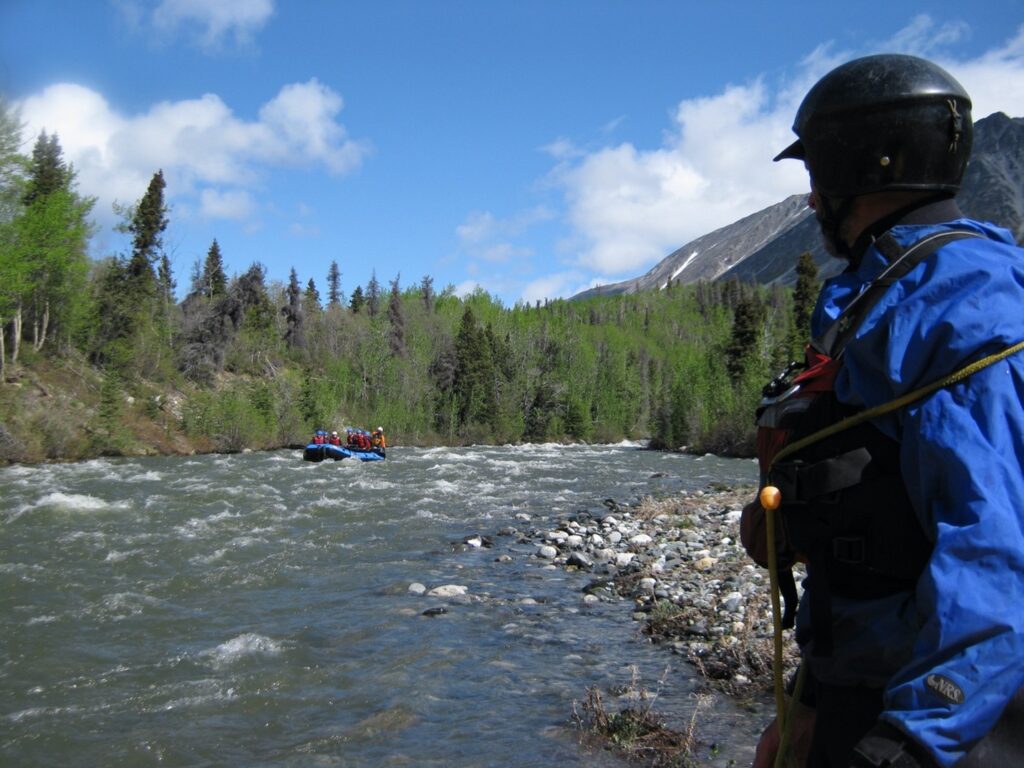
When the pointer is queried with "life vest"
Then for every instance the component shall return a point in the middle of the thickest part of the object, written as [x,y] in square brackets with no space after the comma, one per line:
[845,509]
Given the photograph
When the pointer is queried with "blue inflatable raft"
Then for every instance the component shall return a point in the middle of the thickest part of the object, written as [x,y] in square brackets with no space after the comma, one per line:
[315,452]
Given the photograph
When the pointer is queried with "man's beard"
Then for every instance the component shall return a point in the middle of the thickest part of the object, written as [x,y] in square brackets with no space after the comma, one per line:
[828,236]
[830,213]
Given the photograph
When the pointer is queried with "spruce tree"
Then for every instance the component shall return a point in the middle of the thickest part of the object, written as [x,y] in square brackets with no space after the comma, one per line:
[746,331]
[804,298]
[295,335]
[334,296]
[48,172]
[214,282]
[311,300]
[357,300]
[147,225]
[373,295]
[312,295]
[474,372]
[427,290]
[396,321]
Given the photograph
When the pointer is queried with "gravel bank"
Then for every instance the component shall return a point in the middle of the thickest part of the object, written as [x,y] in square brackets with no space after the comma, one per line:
[679,564]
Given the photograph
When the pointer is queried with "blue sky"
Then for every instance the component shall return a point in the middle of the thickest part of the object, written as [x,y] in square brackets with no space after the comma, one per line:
[531,147]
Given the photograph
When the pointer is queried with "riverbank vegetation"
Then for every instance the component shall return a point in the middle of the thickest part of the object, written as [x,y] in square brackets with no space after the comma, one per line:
[100,357]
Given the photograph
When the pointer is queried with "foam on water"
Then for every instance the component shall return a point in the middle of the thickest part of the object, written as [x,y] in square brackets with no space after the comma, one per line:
[445,487]
[76,502]
[245,541]
[116,556]
[121,605]
[144,477]
[373,484]
[244,646]
[207,559]
[215,693]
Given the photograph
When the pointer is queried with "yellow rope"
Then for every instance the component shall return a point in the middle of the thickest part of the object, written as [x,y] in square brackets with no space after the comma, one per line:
[861,416]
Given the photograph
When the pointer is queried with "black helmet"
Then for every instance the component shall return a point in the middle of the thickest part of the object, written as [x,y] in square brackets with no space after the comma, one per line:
[884,122]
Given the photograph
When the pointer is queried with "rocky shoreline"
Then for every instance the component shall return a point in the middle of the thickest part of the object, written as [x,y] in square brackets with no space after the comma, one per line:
[679,563]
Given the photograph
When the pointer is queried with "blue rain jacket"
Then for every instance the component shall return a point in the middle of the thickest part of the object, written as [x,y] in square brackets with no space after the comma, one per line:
[951,655]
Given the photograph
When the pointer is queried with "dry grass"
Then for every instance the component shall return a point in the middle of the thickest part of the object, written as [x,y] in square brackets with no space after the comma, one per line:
[637,731]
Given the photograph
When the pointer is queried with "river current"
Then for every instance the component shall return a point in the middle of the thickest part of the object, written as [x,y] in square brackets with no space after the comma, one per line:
[254,610]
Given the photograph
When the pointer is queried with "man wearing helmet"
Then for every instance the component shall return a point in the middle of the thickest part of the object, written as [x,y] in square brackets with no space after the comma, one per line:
[379,443]
[911,627]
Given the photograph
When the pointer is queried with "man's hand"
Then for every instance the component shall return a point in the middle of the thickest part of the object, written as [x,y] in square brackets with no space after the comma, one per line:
[800,733]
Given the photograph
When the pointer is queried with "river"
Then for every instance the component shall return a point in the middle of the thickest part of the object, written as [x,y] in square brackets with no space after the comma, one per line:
[254,610]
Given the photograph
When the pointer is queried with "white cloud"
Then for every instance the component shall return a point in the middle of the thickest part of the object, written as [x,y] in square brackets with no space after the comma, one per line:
[628,206]
[995,80]
[484,236]
[467,288]
[231,204]
[300,122]
[211,158]
[214,21]
[923,37]
[632,206]
[555,285]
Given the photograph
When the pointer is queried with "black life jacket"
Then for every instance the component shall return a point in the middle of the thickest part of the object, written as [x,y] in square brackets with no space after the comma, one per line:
[845,509]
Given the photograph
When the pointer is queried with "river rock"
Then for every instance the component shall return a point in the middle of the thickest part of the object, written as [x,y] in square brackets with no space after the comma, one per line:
[580,560]
[448,590]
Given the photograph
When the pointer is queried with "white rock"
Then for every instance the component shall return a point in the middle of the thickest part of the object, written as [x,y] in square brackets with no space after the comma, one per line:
[597,540]
[622,559]
[574,542]
[448,590]
[547,552]
[733,602]
[641,540]
[416,588]
[614,537]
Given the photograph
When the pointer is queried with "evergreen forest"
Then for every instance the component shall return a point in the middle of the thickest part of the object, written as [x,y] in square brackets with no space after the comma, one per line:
[99,357]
